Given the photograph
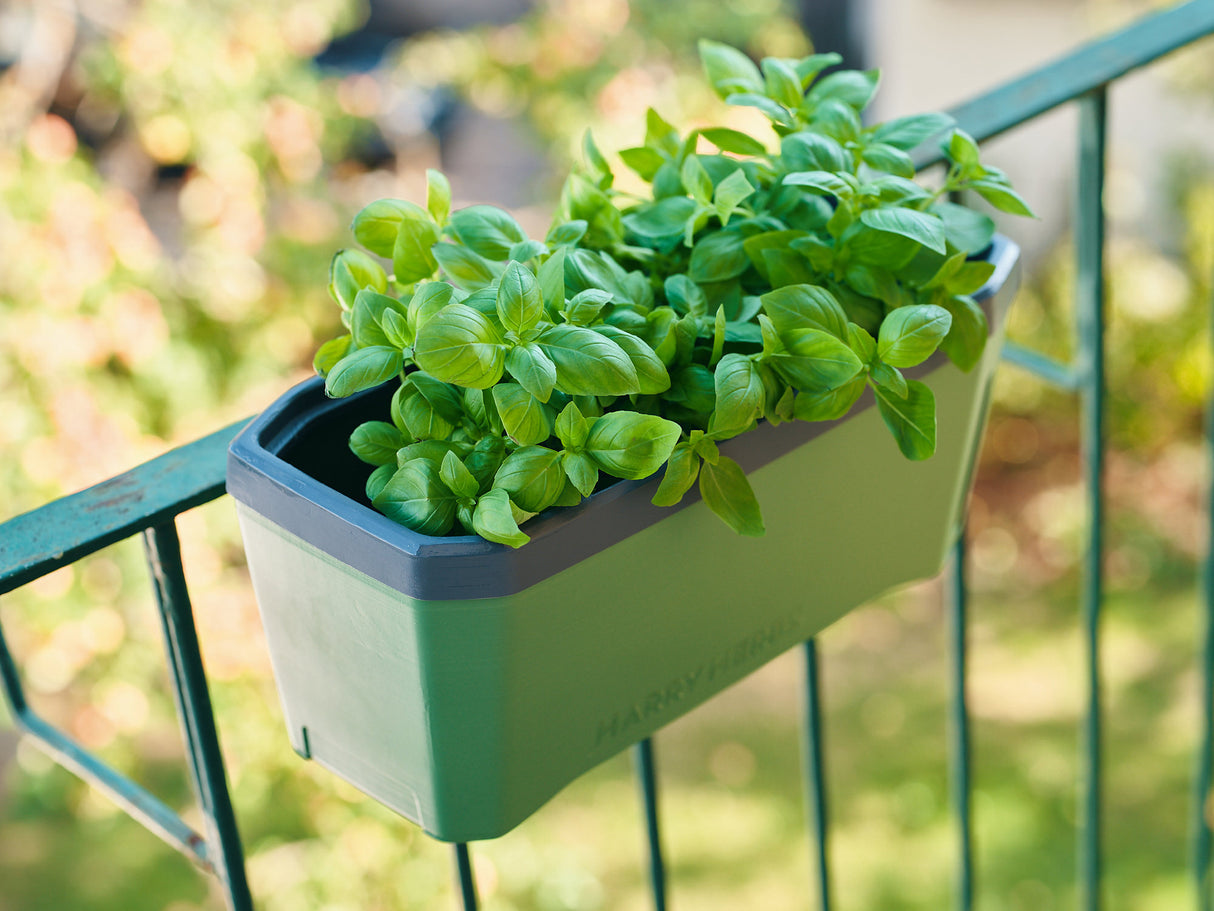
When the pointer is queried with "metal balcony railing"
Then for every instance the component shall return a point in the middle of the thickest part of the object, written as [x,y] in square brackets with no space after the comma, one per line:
[146,501]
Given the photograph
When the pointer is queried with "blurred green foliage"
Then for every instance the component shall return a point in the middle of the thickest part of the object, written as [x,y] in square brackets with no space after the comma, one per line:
[173,179]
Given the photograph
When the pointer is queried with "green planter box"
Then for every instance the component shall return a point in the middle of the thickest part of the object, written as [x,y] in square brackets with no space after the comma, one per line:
[463,684]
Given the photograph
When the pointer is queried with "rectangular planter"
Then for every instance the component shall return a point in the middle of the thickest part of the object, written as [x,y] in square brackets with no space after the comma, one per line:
[463,684]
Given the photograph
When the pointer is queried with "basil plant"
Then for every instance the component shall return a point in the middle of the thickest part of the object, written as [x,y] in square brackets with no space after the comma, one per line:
[756,280]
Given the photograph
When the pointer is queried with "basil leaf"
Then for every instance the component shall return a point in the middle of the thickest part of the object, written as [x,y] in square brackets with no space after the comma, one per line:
[704,446]
[693,387]
[728,69]
[569,232]
[457,477]
[459,345]
[366,318]
[809,151]
[525,419]
[684,295]
[878,283]
[862,343]
[756,244]
[571,427]
[814,360]
[772,109]
[824,182]
[855,88]
[413,255]
[527,250]
[966,230]
[363,369]
[682,469]
[585,306]
[464,267]
[428,299]
[428,450]
[739,395]
[352,270]
[718,257]
[520,303]
[487,231]
[485,459]
[438,196]
[729,193]
[888,158]
[644,160]
[493,520]
[718,337]
[869,246]
[829,405]
[662,220]
[328,354]
[587,363]
[728,493]
[421,418]
[809,67]
[629,445]
[376,442]
[890,379]
[379,479]
[804,306]
[912,420]
[962,149]
[533,370]
[728,140]
[909,335]
[923,227]
[895,189]
[1002,197]
[970,277]
[445,399]
[907,132]
[659,134]
[587,269]
[652,377]
[696,180]
[595,161]
[532,476]
[967,337]
[551,277]
[377,225]
[781,82]
[835,118]
[397,331]
[581,471]
[417,498]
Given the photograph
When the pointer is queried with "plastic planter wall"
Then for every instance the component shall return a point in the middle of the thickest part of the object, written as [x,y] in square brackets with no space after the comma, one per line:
[463,684]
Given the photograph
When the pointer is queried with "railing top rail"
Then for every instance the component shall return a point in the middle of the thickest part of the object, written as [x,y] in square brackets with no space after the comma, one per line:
[1081,71]
[75,526]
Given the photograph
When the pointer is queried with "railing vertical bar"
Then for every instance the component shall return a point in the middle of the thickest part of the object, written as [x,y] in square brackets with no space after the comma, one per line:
[959,727]
[14,693]
[643,757]
[463,871]
[1201,837]
[1093,117]
[815,777]
[194,709]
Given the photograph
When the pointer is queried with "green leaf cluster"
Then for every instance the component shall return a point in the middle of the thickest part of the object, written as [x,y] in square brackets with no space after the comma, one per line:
[757,280]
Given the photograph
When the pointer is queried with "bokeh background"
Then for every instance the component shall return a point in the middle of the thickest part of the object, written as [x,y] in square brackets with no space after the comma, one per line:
[174,177]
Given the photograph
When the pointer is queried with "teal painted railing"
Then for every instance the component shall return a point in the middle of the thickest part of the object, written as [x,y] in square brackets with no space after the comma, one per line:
[146,500]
